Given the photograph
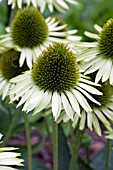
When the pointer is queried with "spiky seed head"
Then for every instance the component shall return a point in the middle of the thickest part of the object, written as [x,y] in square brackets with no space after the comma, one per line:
[106,40]
[9,64]
[56,69]
[29,29]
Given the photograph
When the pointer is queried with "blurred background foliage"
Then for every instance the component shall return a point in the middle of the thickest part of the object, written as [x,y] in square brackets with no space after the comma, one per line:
[81,17]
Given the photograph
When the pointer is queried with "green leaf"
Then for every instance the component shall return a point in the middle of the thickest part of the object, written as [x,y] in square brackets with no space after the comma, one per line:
[63,149]
[83,166]
[37,165]
[99,160]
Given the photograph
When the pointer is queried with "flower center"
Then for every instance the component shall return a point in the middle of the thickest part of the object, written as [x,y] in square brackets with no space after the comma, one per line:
[56,69]
[107,91]
[106,39]
[29,29]
[9,64]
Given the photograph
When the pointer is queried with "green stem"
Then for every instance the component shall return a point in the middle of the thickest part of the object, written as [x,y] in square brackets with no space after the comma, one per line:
[55,145]
[10,129]
[29,149]
[107,154]
[76,147]
[88,155]
[48,131]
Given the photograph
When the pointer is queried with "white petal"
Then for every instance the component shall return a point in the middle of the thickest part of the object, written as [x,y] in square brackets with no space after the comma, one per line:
[19,2]
[29,57]
[101,117]
[111,76]
[22,77]
[22,57]
[32,102]
[91,62]
[86,44]
[67,106]
[91,35]
[6,89]
[63,4]
[72,31]
[34,3]
[82,120]
[88,96]
[89,82]
[25,97]
[10,161]
[6,168]
[107,112]
[89,120]
[76,119]
[98,28]
[28,2]
[95,67]
[74,103]
[99,74]
[19,86]
[89,89]
[82,101]
[96,125]
[107,69]
[87,54]
[45,100]
[6,155]
[56,105]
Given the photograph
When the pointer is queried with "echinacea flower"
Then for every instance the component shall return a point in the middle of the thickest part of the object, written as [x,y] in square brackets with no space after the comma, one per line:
[9,68]
[30,33]
[9,158]
[99,54]
[60,5]
[103,112]
[54,80]
[19,3]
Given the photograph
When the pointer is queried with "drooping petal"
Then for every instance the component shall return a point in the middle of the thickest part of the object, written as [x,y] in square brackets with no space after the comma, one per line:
[56,105]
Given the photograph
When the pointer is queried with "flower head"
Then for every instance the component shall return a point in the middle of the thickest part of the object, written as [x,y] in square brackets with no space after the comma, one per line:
[19,3]
[9,68]
[55,80]
[29,28]
[9,158]
[61,5]
[99,54]
[102,112]
[30,33]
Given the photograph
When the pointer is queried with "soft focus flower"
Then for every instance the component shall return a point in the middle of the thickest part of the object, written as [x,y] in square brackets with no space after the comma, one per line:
[55,80]
[9,158]
[19,3]
[103,112]
[30,33]
[99,55]
[60,5]
[9,68]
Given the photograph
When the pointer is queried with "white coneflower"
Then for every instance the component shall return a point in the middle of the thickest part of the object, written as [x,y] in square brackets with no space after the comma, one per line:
[99,55]
[60,5]
[19,3]
[30,33]
[9,68]
[9,158]
[54,80]
[104,112]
